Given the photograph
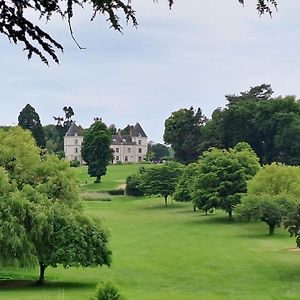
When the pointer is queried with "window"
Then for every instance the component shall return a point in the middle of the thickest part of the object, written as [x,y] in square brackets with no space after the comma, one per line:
[140,150]
[76,158]
[126,158]
[128,150]
[117,158]
[140,159]
[140,142]
[76,150]
[76,142]
[117,150]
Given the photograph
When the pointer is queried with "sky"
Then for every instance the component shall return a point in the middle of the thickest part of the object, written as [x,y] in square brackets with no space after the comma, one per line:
[192,55]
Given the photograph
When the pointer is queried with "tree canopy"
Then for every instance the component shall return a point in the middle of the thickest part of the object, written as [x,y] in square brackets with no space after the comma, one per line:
[221,177]
[29,119]
[96,151]
[41,216]
[16,24]
[161,179]
[183,131]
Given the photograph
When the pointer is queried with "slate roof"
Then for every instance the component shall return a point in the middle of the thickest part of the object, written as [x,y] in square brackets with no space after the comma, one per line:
[138,130]
[74,130]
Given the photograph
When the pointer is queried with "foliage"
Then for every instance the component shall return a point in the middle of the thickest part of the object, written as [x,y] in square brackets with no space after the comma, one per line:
[184,186]
[18,27]
[221,177]
[161,179]
[29,119]
[270,126]
[157,152]
[74,163]
[267,208]
[183,131]
[133,183]
[107,291]
[276,179]
[41,216]
[96,151]
[62,126]
[292,223]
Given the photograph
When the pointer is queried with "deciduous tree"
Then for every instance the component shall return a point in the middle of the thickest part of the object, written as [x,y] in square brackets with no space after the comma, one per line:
[183,131]
[221,177]
[41,216]
[271,210]
[161,180]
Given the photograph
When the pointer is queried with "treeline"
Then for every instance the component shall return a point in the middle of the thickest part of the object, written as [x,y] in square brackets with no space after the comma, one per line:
[271,126]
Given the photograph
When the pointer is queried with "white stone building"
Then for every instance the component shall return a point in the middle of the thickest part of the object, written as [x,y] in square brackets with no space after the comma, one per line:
[72,143]
[131,148]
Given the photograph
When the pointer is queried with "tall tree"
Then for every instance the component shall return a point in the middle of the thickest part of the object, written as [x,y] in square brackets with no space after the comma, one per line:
[96,151]
[29,119]
[267,124]
[183,131]
[15,24]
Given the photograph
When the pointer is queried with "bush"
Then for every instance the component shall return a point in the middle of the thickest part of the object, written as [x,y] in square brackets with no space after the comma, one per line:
[74,163]
[116,192]
[107,291]
[132,186]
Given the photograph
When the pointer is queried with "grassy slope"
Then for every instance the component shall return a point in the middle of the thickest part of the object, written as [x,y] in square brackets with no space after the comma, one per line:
[173,253]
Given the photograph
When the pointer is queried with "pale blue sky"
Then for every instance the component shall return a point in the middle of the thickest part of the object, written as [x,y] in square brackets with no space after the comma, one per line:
[192,55]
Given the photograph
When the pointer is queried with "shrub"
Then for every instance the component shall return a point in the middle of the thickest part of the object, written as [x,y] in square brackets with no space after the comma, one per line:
[132,186]
[74,163]
[116,192]
[107,291]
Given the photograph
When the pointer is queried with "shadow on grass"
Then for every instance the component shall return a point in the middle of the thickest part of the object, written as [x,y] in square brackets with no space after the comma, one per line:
[25,283]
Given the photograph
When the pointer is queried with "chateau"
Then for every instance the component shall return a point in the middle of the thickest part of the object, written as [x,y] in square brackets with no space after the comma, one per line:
[131,148]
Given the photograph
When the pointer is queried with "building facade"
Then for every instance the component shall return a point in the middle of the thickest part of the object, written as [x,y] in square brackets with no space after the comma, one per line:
[129,148]
[73,142]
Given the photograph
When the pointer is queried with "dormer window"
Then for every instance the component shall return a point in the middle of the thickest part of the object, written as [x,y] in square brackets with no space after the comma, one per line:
[114,140]
[124,141]
[75,134]
[139,135]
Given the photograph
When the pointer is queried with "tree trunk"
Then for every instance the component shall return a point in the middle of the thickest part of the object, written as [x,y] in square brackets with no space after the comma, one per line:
[166,201]
[271,229]
[42,273]
[98,179]
[195,209]
[230,214]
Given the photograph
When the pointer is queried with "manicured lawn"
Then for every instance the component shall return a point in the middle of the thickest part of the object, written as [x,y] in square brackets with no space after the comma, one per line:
[175,254]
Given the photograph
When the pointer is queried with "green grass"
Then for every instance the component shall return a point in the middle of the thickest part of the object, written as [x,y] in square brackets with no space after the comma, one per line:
[175,254]
[115,177]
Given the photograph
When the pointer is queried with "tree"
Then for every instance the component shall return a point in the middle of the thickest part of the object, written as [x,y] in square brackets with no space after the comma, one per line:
[15,24]
[183,188]
[276,179]
[183,131]
[157,152]
[161,179]
[62,126]
[41,216]
[133,185]
[221,177]
[29,119]
[292,223]
[270,126]
[271,210]
[96,151]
